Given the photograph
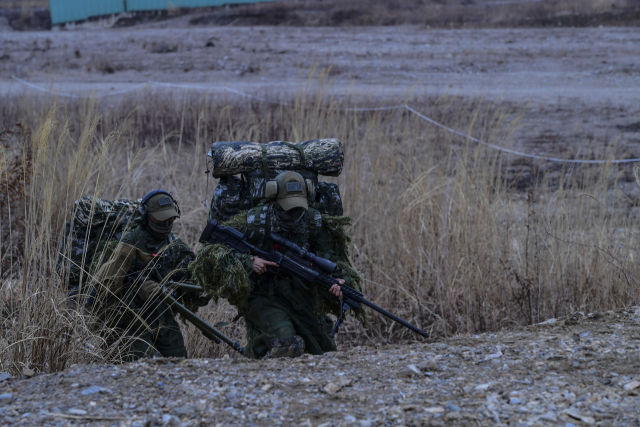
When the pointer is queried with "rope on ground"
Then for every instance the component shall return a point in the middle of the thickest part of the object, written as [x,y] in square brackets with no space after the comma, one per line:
[355,109]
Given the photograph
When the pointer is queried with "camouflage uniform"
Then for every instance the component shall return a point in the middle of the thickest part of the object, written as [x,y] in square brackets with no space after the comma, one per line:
[282,309]
[161,335]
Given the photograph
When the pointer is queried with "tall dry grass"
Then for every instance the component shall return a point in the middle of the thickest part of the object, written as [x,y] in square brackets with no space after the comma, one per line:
[440,233]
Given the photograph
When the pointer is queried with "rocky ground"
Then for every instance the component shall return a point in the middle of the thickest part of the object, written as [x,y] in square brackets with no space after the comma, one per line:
[579,370]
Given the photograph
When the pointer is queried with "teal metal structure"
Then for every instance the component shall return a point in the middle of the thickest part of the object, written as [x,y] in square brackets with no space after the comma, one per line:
[78,10]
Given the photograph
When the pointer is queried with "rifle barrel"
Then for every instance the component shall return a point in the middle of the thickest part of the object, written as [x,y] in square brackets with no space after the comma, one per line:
[185,286]
[394,317]
[209,331]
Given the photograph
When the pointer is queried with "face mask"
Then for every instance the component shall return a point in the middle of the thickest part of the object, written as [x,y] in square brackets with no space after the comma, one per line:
[288,219]
[160,230]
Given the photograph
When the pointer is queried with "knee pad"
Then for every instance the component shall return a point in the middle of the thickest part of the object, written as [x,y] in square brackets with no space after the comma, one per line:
[292,346]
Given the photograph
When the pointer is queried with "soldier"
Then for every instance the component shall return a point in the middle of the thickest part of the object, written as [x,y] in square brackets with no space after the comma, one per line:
[285,317]
[146,256]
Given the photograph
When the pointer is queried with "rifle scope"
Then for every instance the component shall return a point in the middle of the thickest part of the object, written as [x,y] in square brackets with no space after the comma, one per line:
[322,263]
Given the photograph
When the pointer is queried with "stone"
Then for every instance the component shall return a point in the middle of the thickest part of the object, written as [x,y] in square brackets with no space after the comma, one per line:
[344,382]
[267,387]
[233,396]
[452,407]
[76,411]
[632,385]
[483,387]
[29,373]
[95,389]
[350,418]
[429,365]
[434,410]
[452,416]
[6,396]
[514,401]
[170,421]
[331,389]
[574,413]
[549,416]
[5,376]
[410,370]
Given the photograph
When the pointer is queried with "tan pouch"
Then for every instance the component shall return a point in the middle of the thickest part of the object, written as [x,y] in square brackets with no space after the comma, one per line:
[111,274]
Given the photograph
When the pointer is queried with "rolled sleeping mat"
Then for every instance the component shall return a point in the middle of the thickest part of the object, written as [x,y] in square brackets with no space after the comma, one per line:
[322,156]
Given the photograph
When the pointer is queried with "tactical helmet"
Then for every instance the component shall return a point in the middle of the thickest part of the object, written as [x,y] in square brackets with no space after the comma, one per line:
[290,189]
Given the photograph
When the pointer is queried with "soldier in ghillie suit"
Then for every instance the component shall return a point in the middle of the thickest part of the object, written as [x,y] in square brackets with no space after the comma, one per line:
[133,271]
[284,317]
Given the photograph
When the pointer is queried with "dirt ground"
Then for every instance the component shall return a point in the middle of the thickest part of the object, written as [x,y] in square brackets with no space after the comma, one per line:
[575,371]
[576,85]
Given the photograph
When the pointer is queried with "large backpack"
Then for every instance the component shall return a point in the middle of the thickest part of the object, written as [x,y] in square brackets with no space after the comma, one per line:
[94,221]
[234,194]
[241,192]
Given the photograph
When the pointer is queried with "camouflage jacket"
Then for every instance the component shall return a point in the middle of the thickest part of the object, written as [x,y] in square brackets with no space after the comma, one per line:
[310,233]
[171,257]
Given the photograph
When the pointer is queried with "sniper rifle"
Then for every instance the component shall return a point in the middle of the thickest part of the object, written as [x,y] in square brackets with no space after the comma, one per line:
[299,263]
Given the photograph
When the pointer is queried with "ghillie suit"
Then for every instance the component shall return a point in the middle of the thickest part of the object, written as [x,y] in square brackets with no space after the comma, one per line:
[283,316]
[112,264]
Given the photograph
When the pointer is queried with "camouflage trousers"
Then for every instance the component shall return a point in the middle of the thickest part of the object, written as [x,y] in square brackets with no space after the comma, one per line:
[281,322]
[158,336]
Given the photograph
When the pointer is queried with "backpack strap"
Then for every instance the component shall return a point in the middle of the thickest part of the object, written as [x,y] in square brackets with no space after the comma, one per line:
[298,147]
[265,164]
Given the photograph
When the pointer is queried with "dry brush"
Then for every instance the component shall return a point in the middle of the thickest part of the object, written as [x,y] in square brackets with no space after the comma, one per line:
[440,234]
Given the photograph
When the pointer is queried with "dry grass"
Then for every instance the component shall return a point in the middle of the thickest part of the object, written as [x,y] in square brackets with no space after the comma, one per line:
[433,13]
[440,235]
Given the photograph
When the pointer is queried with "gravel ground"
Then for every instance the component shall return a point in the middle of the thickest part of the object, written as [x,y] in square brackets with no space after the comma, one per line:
[579,370]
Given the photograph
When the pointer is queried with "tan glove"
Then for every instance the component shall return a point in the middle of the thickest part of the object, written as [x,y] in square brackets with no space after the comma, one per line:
[149,289]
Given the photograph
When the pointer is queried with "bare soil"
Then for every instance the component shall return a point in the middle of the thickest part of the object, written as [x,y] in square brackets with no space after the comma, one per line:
[575,85]
[578,370]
